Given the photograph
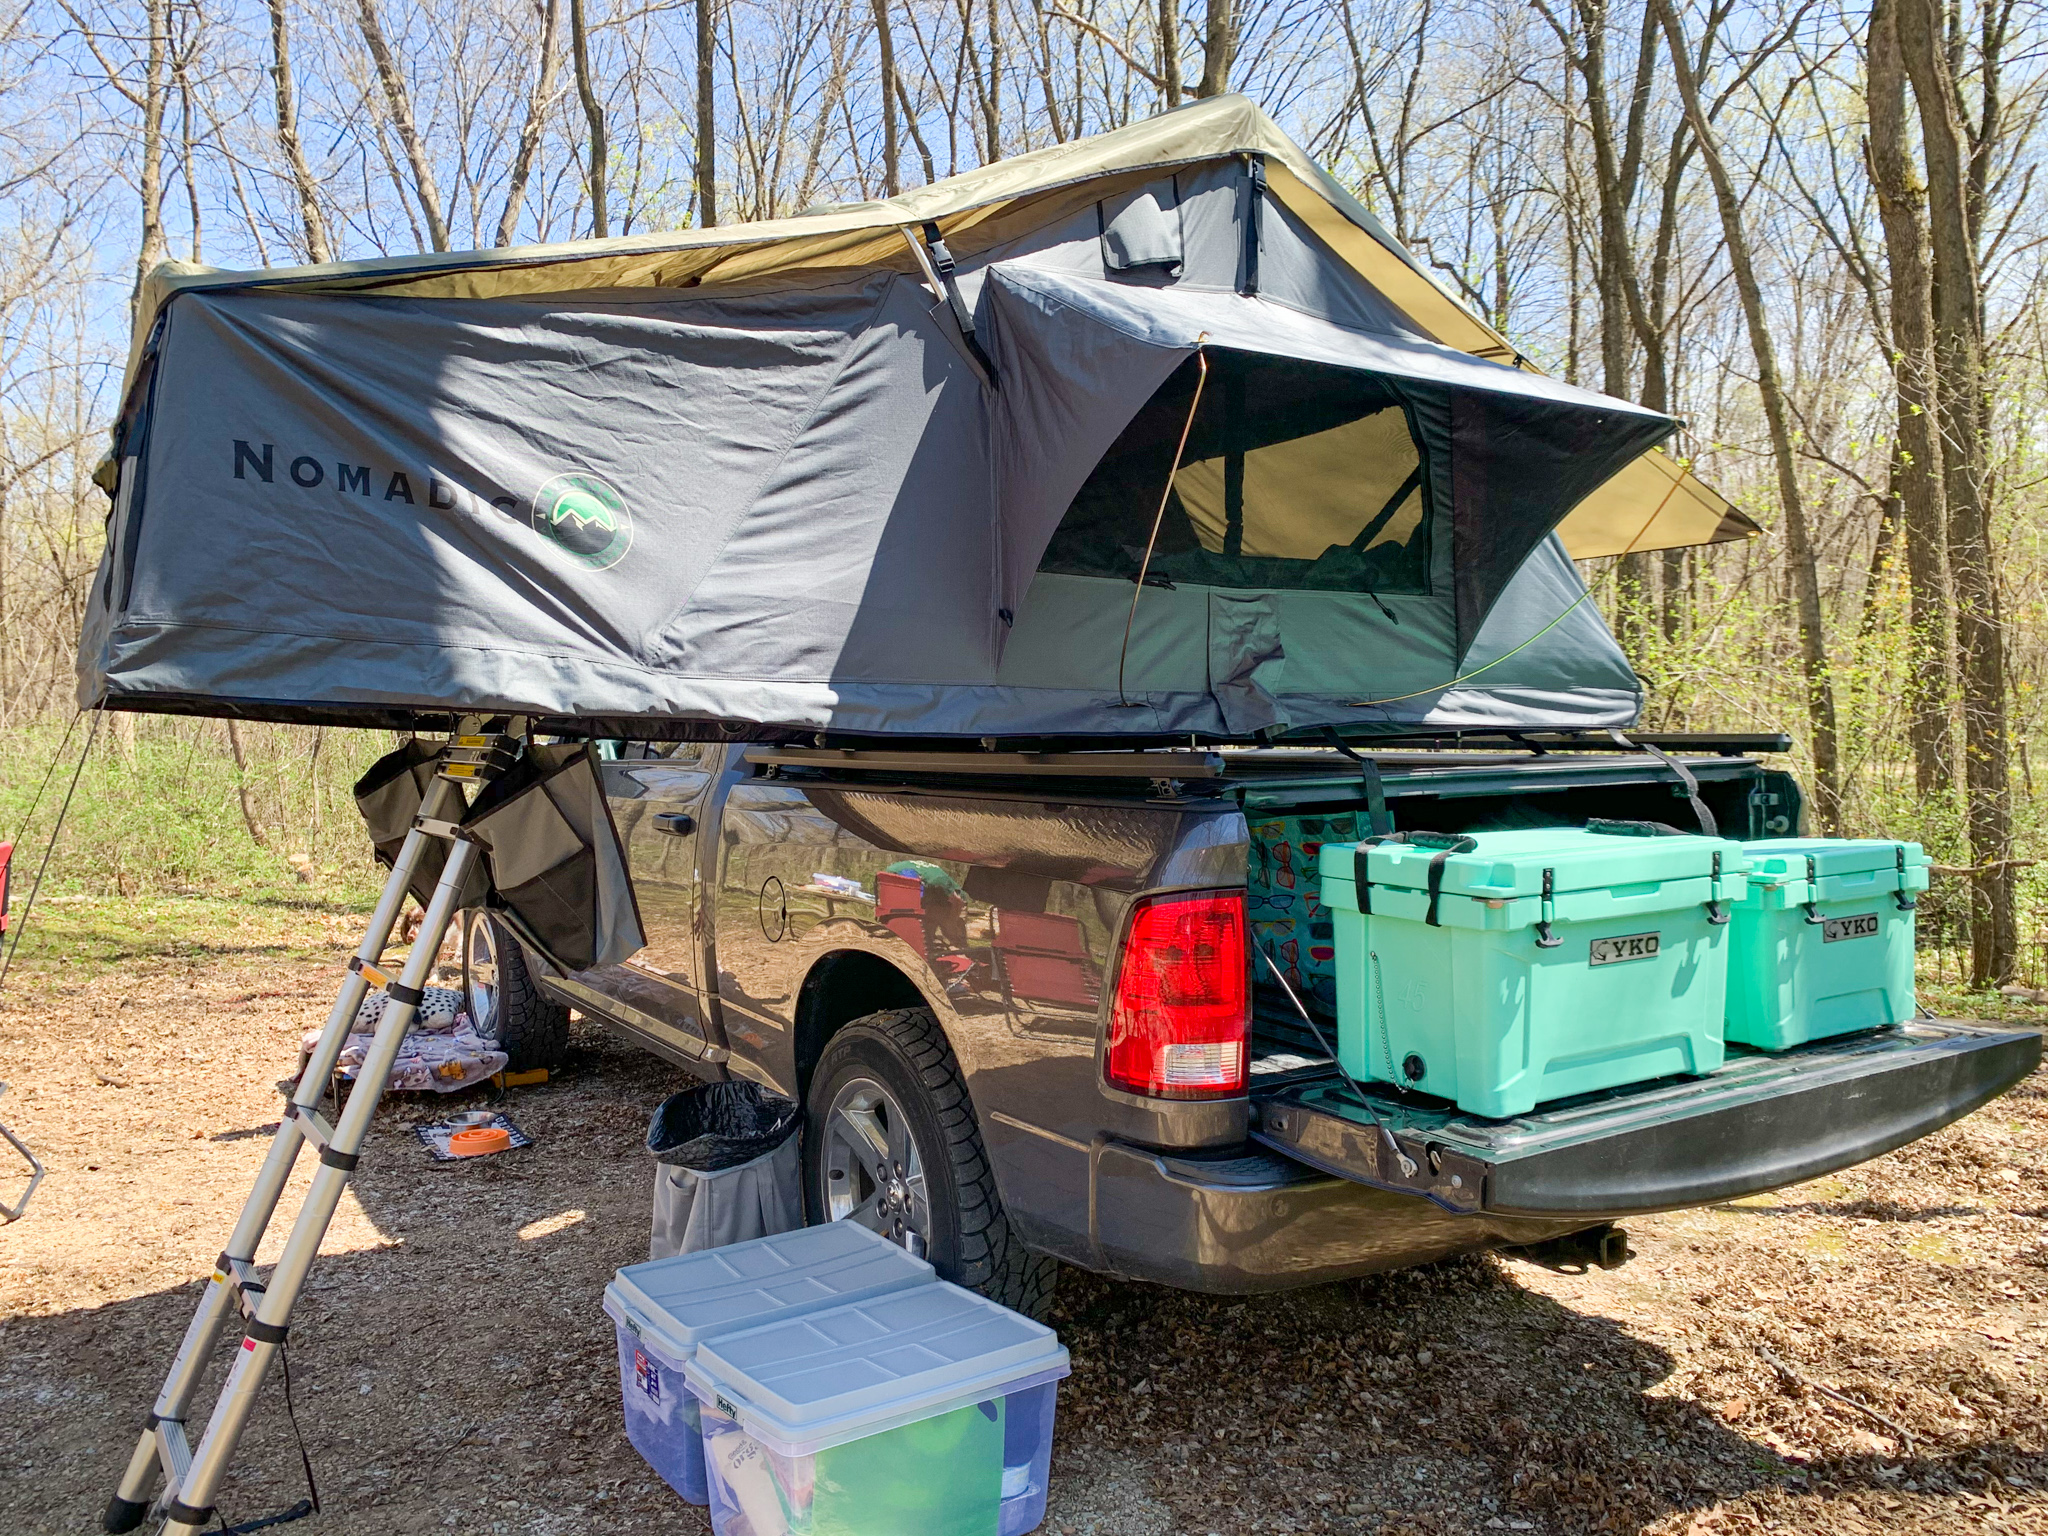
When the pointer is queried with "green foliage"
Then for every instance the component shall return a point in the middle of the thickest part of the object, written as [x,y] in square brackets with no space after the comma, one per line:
[71,936]
[1733,663]
[158,810]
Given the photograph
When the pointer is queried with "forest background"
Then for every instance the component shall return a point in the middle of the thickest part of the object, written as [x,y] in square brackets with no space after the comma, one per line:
[1812,230]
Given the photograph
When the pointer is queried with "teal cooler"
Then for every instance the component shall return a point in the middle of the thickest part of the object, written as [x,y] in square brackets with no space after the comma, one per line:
[1507,969]
[1823,942]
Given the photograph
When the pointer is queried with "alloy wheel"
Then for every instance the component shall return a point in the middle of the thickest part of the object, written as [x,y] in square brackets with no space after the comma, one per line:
[480,973]
[871,1168]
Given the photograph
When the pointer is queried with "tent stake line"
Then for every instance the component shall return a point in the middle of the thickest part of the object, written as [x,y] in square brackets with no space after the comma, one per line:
[192,1476]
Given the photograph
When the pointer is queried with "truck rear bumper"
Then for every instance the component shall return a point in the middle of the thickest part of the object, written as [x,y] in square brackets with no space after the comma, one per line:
[1257,1221]
[1761,1122]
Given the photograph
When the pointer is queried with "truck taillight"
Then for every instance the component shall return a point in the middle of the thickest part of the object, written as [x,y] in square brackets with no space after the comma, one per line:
[1177,1024]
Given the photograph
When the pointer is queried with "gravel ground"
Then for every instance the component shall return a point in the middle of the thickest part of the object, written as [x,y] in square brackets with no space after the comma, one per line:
[1862,1354]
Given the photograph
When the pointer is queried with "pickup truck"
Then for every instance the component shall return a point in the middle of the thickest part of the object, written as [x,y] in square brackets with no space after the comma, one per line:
[966,965]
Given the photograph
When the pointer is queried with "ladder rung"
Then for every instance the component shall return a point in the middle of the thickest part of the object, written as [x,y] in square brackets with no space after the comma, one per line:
[247,1283]
[317,1132]
[174,1451]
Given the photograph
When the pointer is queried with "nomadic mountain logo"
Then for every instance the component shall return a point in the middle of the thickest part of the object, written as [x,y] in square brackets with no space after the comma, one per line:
[580,513]
[585,514]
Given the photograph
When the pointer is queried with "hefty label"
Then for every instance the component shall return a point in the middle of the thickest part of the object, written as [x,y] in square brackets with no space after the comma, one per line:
[1630,946]
[1860,925]
[647,1375]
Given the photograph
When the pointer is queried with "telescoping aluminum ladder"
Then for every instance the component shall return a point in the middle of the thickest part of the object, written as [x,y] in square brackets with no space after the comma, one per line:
[192,1475]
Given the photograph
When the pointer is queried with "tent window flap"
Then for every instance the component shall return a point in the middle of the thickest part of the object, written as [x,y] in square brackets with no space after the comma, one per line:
[1297,476]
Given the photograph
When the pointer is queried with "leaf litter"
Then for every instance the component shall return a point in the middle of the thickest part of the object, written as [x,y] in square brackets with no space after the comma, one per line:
[1861,1354]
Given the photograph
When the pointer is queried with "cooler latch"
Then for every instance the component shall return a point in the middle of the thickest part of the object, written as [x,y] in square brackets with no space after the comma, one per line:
[1813,916]
[1717,910]
[1545,939]
[1905,899]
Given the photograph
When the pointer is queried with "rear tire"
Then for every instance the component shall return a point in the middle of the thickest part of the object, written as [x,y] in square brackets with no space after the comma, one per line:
[888,1099]
[505,1002]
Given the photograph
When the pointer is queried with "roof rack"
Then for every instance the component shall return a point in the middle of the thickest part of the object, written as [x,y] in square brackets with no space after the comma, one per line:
[1720,743]
[1178,763]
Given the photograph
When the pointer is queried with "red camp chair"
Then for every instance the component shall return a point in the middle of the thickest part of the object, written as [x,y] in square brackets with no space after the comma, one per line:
[1045,959]
[900,908]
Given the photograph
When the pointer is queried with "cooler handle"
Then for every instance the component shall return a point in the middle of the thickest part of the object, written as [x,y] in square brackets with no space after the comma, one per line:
[1450,842]
[1609,827]
[1545,939]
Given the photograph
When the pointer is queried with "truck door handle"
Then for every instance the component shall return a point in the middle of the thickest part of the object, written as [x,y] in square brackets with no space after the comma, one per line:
[676,823]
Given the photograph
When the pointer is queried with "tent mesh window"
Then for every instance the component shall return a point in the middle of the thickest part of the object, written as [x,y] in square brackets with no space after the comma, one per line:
[1297,477]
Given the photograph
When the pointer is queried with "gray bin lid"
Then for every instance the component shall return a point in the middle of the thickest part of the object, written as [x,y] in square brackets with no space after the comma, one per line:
[808,1383]
[675,1304]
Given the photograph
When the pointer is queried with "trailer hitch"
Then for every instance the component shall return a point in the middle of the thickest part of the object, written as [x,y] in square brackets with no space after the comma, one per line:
[1602,1247]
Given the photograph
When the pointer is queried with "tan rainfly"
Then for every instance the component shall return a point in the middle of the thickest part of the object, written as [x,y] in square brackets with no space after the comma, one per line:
[1652,503]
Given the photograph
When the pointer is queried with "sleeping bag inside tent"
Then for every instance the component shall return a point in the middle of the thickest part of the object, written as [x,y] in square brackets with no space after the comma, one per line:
[1125,442]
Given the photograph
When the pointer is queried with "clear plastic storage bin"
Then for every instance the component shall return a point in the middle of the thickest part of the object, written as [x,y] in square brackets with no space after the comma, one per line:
[666,1309]
[926,1412]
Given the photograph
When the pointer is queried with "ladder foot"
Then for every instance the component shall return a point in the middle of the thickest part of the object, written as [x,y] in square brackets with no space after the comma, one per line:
[124,1514]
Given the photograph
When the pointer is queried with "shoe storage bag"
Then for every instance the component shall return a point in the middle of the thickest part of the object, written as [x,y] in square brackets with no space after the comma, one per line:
[389,796]
[557,870]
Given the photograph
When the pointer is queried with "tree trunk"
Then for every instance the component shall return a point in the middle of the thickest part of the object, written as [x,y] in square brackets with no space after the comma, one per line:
[308,191]
[1957,301]
[892,155]
[1916,471]
[182,51]
[154,247]
[1169,52]
[242,788]
[425,193]
[1219,49]
[1820,694]
[707,113]
[992,97]
[1617,162]
[536,119]
[593,117]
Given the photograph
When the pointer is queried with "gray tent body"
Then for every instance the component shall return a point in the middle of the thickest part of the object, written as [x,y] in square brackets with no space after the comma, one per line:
[804,507]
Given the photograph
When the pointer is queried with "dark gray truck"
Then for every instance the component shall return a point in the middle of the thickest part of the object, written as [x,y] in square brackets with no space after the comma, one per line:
[961,963]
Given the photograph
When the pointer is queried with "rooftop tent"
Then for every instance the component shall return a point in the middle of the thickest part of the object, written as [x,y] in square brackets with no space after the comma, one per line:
[815,476]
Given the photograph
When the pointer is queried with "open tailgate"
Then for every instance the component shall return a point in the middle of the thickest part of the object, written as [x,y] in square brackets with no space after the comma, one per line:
[1761,1122]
